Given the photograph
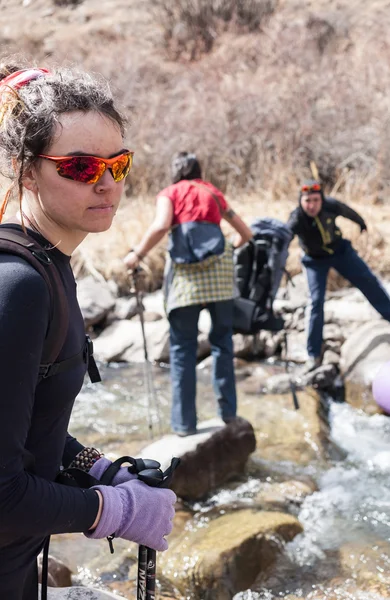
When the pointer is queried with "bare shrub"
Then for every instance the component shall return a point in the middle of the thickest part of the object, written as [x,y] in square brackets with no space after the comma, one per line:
[190,27]
[67,2]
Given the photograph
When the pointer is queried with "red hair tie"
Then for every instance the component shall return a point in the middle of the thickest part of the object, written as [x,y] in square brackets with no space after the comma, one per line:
[20,78]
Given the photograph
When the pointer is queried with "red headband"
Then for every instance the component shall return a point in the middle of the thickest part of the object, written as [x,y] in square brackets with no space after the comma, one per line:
[20,78]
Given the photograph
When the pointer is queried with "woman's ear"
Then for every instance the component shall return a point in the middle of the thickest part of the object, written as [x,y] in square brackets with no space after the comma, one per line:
[29,180]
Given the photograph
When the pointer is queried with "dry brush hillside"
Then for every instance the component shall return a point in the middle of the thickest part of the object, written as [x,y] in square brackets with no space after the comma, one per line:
[259,88]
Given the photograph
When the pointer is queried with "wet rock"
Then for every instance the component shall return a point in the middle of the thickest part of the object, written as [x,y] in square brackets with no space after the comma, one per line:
[217,561]
[79,593]
[95,298]
[59,575]
[285,434]
[360,397]
[321,378]
[286,494]
[216,454]
[256,382]
[278,384]
[368,564]
[365,351]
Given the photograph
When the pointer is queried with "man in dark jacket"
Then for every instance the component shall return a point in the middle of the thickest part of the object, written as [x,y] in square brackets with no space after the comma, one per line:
[314,222]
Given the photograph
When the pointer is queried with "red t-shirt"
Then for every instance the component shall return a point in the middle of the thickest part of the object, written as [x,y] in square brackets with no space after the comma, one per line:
[191,203]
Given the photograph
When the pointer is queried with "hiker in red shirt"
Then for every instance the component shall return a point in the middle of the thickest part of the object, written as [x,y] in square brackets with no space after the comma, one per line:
[199,274]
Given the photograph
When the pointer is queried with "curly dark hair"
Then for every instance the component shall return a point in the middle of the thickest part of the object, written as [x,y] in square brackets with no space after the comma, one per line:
[29,115]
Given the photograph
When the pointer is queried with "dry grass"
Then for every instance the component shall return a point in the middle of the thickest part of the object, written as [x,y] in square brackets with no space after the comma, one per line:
[282,84]
[309,81]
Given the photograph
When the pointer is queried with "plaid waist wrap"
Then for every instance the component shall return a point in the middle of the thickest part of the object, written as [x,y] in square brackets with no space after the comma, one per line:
[211,280]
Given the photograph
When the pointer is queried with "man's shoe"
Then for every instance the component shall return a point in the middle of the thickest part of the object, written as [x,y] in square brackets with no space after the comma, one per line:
[228,420]
[312,363]
[186,433]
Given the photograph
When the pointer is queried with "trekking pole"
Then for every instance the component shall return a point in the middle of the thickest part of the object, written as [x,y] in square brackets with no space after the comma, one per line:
[291,382]
[147,557]
[150,388]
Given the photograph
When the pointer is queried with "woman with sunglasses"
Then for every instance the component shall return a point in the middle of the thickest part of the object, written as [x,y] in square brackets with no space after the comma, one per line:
[314,222]
[199,274]
[61,141]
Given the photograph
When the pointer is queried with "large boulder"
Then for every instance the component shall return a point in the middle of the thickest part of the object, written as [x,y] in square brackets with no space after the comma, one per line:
[284,434]
[215,455]
[95,299]
[123,341]
[365,351]
[217,561]
[59,575]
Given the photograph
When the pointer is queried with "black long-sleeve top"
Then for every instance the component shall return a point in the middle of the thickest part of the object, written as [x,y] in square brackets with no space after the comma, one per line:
[319,236]
[34,416]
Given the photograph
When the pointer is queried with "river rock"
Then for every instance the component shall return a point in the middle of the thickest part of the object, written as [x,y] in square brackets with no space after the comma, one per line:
[368,564]
[125,308]
[333,332]
[330,357]
[123,341]
[215,455]
[216,561]
[59,575]
[248,346]
[296,347]
[339,310]
[365,351]
[285,434]
[283,496]
[360,397]
[79,593]
[95,298]
[278,384]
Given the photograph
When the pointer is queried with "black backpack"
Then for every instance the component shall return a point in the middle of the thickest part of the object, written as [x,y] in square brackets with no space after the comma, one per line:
[259,267]
[13,240]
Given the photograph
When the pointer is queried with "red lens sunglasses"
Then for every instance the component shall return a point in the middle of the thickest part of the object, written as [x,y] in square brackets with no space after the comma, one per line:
[316,187]
[89,169]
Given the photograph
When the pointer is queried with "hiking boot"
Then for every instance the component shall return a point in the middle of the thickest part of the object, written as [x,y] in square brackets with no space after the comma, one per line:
[228,420]
[186,433]
[312,363]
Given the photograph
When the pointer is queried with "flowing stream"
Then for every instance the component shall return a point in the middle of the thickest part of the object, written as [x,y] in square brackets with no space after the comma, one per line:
[345,546]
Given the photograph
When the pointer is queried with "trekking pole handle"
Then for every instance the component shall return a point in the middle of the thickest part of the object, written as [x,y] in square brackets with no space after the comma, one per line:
[146,581]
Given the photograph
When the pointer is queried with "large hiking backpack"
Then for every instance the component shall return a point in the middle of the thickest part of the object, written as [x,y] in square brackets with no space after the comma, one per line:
[259,267]
[13,240]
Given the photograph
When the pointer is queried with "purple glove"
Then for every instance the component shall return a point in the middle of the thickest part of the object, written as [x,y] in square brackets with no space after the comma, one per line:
[101,467]
[136,512]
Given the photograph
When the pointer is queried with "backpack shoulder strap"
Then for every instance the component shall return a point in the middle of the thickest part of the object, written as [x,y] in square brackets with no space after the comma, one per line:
[207,189]
[15,241]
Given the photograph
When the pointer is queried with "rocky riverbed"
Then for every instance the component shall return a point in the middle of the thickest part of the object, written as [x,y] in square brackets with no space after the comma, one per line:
[283,502]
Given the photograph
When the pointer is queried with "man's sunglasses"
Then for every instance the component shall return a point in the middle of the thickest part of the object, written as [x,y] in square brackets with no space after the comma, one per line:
[307,189]
[89,169]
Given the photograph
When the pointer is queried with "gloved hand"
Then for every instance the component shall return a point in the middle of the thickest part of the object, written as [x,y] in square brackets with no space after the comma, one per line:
[101,466]
[136,512]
